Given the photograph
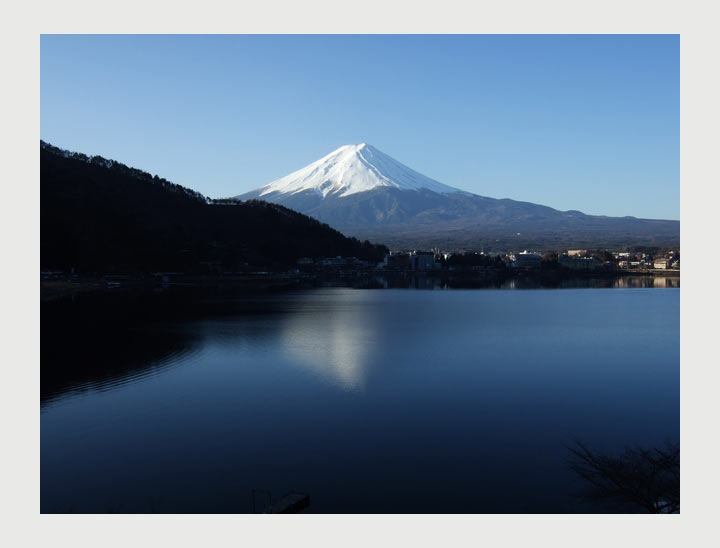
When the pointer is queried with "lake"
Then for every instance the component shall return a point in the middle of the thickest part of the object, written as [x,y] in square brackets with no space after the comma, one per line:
[393,400]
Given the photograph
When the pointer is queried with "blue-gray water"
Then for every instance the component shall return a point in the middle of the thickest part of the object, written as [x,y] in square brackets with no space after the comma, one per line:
[368,400]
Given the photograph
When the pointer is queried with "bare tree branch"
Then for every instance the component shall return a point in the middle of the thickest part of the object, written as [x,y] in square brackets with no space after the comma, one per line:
[646,477]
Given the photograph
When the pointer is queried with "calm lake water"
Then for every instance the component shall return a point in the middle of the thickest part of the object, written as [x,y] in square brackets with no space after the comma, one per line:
[368,400]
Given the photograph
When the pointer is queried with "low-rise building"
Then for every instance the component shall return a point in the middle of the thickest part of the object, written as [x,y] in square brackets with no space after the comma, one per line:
[579,263]
[397,260]
[527,260]
[422,260]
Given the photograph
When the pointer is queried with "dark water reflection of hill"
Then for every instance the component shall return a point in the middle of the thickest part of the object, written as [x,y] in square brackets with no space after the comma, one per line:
[100,341]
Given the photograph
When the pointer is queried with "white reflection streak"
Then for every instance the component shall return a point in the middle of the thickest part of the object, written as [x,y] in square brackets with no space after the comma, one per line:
[333,342]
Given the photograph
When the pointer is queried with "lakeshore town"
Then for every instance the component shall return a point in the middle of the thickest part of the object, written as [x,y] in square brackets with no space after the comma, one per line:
[646,267]
[572,259]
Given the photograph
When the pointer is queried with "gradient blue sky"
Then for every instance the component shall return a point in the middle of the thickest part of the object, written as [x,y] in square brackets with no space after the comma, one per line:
[573,122]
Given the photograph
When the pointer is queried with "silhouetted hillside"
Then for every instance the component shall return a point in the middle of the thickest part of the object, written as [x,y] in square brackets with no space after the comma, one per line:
[97,215]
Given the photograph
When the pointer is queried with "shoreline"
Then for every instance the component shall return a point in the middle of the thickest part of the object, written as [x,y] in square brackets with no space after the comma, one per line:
[61,286]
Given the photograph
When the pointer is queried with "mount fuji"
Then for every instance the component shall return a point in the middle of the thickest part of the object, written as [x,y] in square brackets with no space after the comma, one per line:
[353,169]
[365,193]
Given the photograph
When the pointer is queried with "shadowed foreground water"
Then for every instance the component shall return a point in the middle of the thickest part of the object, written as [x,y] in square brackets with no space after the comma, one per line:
[368,400]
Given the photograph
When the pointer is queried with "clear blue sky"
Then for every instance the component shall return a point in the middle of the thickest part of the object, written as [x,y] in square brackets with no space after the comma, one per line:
[573,122]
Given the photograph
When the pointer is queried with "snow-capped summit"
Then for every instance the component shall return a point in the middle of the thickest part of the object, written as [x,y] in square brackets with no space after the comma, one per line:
[352,169]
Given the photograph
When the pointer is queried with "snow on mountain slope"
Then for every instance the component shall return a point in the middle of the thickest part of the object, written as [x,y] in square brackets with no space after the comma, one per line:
[352,169]
[366,194]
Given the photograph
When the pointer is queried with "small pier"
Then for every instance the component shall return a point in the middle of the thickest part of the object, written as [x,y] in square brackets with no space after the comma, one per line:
[291,503]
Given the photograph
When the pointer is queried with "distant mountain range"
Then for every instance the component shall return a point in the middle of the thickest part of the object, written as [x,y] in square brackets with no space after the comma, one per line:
[365,193]
[98,215]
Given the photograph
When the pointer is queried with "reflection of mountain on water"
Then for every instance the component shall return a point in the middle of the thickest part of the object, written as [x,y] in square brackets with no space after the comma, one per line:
[98,342]
[336,343]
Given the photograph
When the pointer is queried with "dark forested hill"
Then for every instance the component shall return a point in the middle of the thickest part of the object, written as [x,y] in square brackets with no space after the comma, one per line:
[97,215]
